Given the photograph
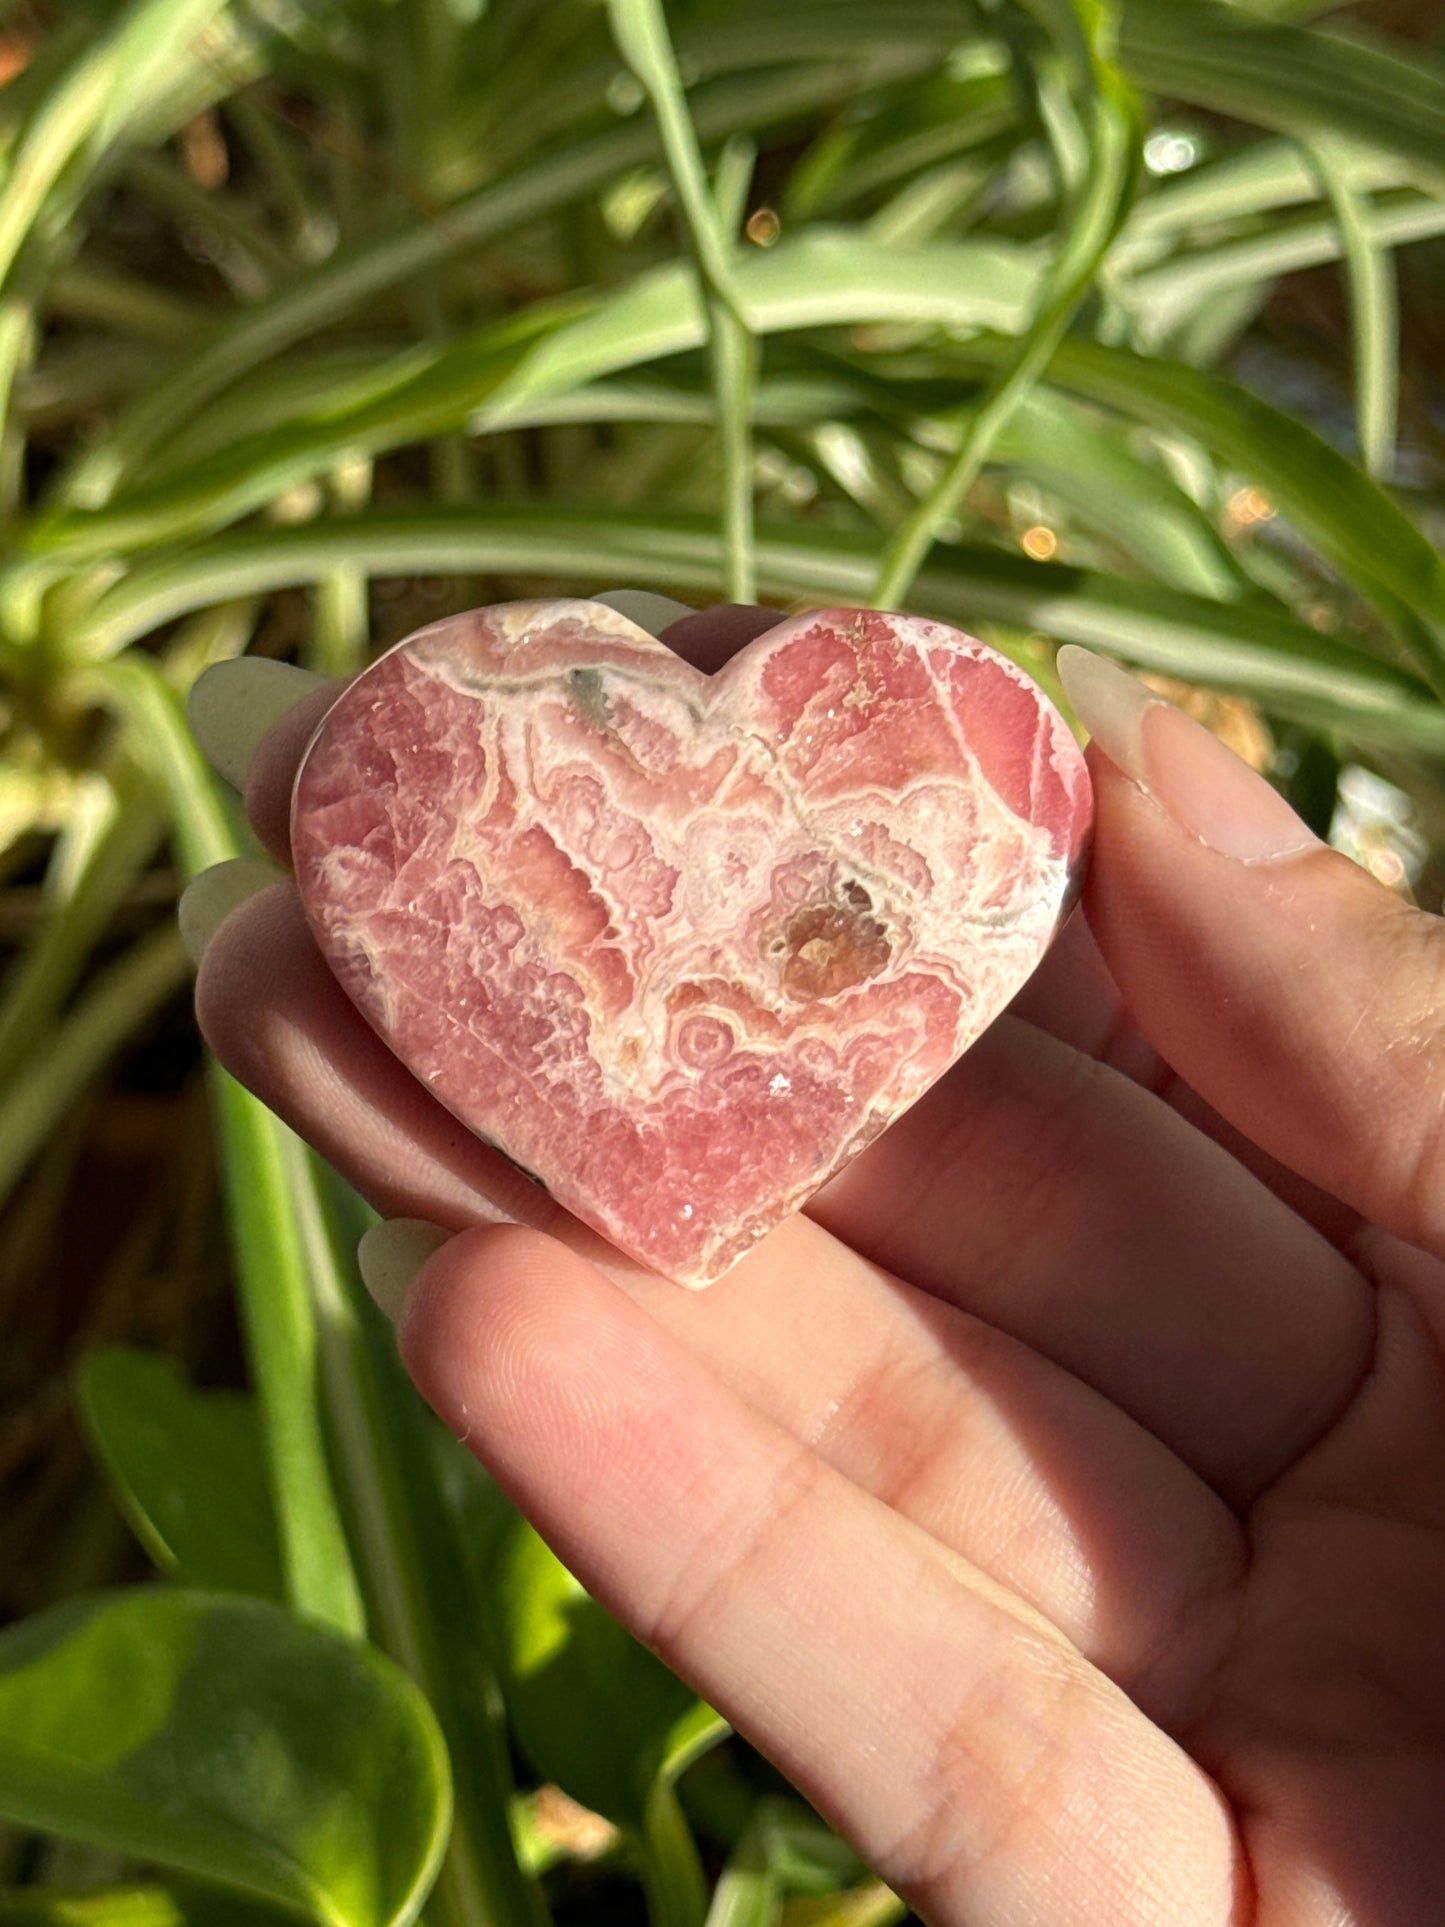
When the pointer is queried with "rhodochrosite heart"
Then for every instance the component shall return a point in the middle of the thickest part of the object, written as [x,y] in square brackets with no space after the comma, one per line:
[680,944]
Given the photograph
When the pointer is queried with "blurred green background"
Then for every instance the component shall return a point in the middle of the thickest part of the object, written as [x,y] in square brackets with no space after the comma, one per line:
[1058,319]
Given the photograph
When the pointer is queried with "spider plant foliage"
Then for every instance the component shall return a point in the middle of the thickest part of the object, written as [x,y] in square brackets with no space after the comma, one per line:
[318,319]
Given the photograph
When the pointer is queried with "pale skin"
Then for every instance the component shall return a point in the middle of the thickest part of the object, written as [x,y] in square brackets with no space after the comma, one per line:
[1060,1502]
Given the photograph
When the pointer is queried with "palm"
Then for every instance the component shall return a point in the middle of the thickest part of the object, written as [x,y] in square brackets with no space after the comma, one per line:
[1061,1503]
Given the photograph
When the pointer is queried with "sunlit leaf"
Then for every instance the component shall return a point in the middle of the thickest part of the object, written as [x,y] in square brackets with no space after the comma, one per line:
[224,1739]
[1290,78]
[188,1469]
[1374,321]
[178,1905]
[1279,660]
[593,1709]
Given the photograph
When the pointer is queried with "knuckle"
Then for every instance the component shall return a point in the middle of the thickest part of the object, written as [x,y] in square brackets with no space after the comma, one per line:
[730,1555]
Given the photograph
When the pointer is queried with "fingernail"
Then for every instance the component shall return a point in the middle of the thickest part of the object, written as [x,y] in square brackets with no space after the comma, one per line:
[1189,772]
[233,704]
[391,1254]
[650,612]
[210,898]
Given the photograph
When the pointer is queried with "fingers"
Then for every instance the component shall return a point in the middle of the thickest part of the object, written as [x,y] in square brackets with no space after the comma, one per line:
[995,1451]
[965,1748]
[273,1014]
[1299,998]
[1068,1206]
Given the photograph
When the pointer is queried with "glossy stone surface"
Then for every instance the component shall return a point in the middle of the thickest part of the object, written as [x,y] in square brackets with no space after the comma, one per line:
[683,945]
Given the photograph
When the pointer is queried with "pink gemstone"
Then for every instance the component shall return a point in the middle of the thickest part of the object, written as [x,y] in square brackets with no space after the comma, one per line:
[682,945]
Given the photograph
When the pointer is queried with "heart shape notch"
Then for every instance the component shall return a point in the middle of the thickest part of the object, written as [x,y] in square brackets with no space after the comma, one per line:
[682,945]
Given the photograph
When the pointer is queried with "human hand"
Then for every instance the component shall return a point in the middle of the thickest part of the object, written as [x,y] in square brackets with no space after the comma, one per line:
[1060,1502]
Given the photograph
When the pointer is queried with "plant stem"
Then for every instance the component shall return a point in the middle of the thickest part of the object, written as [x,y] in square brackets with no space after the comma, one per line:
[1103,198]
[400,1540]
[640,31]
[275,1302]
[1374,310]
[672,1870]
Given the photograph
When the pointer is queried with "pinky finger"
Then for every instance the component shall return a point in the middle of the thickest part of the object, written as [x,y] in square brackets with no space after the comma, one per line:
[950,1733]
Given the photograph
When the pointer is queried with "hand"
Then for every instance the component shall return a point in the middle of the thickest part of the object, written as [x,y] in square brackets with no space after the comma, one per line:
[1060,1502]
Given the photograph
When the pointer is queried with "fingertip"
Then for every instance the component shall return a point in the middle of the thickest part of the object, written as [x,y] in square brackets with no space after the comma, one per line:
[271,772]
[391,1254]
[232,705]
[211,896]
[502,1307]
[1287,987]
[645,607]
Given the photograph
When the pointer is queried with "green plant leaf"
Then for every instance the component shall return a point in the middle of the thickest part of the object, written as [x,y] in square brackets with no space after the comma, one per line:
[1293,79]
[89,102]
[418,1608]
[68,1055]
[267,1237]
[109,835]
[407,248]
[188,1469]
[1374,320]
[326,1378]
[593,1709]
[1089,465]
[640,29]
[1355,525]
[1169,295]
[1101,192]
[785,1849]
[224,1739]
[152,1906]
[495,377]
[1260,649]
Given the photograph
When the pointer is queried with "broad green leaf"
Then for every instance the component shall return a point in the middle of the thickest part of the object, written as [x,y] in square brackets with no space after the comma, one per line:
[152,1906]
[188,1469]
[593,1709]
[224,1739]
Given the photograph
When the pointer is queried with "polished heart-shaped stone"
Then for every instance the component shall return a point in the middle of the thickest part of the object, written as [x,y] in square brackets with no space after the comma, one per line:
[682,945]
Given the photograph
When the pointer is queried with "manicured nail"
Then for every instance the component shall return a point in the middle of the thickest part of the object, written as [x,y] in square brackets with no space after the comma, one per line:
[650,612]
[210,898]
[233,704]
[391,1254]
[1189,772]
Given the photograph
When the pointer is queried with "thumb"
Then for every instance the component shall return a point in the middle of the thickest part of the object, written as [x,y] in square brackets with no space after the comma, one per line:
[1297,995]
